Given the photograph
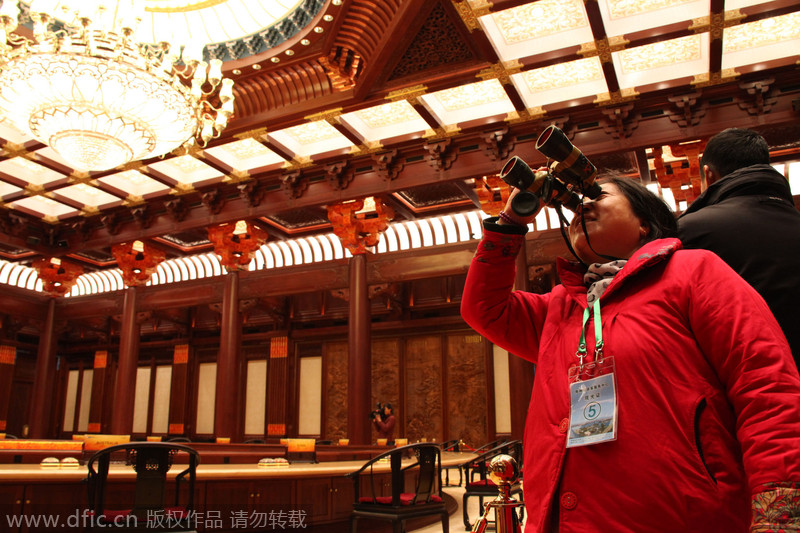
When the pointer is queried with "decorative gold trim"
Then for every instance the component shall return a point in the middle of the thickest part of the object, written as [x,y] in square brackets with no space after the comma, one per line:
[526,115]
[450,130]
[409,93]
[329,115]
[715,78]
[133,200]
[190,6]
[470,14]
[252,134]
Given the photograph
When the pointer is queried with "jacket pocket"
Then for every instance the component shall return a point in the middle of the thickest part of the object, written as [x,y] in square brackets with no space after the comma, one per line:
[698,413]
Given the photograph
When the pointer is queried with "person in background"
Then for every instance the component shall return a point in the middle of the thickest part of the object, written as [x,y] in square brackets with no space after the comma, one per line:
[666,398]
[747,217]
[384,422]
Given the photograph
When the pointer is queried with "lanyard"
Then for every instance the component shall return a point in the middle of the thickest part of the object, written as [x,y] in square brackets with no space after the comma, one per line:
[598,333]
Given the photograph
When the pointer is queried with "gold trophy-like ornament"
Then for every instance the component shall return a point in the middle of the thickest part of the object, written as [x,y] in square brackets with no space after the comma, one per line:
[503,471]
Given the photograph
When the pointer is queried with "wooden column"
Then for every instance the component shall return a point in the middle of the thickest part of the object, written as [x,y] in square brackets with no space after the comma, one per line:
[178,389]
[125,389]
[8,356]
[98,402]
[359,354]
[41,396]
[520,371]
[229,361]
[277,387]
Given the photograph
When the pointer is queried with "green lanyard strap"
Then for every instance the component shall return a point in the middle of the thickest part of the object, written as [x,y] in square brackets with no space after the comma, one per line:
[598,333]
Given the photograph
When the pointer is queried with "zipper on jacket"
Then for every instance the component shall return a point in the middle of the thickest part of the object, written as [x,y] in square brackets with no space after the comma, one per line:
[697,413]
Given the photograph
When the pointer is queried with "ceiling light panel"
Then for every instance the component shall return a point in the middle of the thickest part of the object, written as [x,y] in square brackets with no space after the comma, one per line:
[7,188]
[311,139]
[762,40]
[187,170]
[622,17]
[468,102]
[386,121]
[88,196]
[245,154]
[537,28]
[30,172]
[662,61]
[44,207]
[134,183]
[561,82]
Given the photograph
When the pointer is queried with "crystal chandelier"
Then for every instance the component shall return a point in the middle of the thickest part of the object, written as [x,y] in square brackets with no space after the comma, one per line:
[84,86]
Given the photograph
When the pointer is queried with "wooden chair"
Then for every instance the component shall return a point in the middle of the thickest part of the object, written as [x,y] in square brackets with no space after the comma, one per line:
[484,487]
[425,500]
[485,448]
[148,511]
[452,446]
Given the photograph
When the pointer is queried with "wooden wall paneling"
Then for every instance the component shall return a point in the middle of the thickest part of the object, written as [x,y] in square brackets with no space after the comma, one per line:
[423,387]
[468,388]
[278,388]
[8,356]
[98,400]
[179,390]
[386,375]
[334,367]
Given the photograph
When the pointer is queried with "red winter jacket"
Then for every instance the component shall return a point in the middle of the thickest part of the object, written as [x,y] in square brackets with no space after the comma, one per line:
[708,393]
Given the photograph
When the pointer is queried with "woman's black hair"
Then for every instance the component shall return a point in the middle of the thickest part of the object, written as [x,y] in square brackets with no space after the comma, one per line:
[648,207]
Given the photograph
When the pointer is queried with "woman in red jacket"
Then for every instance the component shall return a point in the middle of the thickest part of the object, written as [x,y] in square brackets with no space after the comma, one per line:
[666,399]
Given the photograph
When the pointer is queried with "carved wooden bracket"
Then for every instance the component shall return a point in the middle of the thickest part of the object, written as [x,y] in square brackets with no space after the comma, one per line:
[252,192]
[11,224]
[493,194]
[498,143]
[57,276]
[441,153]
[235,243]
[84,228]
[341,294]
[761,101]
[137,261]
[214,201]
[339,174]
[177,208]
[341,66]
[112,222]
[293,184]
[389,165]
[617,123]
[143,214]
[358,229]
[277,308]
[688,112]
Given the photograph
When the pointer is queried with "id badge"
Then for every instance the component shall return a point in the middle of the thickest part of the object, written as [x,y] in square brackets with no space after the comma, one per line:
[593,403]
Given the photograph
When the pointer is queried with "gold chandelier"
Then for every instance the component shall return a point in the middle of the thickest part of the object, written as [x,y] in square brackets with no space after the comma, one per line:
[87,88]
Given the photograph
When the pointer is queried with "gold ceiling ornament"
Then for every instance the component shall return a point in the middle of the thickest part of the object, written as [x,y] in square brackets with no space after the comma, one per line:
[86,87]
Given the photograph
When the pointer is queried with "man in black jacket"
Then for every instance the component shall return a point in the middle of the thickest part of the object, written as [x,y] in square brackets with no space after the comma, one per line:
[747,217]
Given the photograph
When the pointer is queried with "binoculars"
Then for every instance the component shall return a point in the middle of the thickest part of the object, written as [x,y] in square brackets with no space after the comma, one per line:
[570,171]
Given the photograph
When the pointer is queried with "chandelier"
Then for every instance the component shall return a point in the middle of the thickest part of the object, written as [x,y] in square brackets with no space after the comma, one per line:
[87,88]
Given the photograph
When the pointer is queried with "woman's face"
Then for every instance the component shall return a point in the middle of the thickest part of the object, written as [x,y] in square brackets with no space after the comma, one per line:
[612,227]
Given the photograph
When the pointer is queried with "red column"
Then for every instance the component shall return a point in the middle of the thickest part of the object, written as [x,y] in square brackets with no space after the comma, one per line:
[226,412]
[125,389]
[98,403]
[8,356]
[359,355]
[177,395]
[43,381]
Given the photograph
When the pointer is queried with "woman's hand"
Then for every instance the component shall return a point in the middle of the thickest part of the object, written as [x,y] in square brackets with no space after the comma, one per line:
[510,217]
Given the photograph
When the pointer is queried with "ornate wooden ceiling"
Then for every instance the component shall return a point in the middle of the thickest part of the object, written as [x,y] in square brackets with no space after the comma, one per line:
[411,101]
